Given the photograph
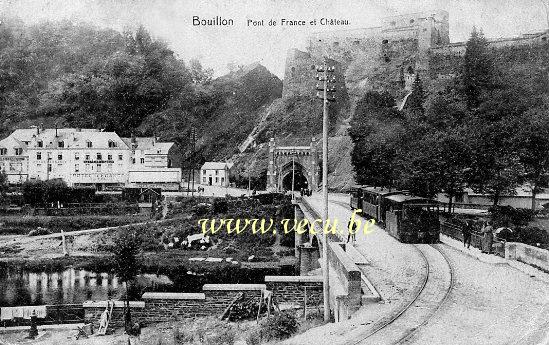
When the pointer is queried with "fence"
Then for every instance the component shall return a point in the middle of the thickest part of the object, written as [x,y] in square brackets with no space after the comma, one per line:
[88,209]
[55,314]
[455,232]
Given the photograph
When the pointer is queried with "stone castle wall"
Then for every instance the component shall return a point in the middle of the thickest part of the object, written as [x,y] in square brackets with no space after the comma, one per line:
[380,57]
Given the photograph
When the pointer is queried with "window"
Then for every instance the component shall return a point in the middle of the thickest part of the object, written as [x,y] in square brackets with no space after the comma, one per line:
[18,151]
[76,168]
[133,160]
[120,157]
[60,144]
[217,172]
[98,167]
[384,41]
[87,157]
[49,167]
[76,156]
[216,179]
[204,179]
[204,172]
[142,160]
[3,151]
[88,143]
[109,167]
[412,21]
[99,157]
[112,143]
[38,155]
[109,157]
[40,144]
[59,157]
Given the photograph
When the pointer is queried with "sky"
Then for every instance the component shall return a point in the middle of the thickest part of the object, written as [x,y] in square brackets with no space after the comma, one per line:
[216,46]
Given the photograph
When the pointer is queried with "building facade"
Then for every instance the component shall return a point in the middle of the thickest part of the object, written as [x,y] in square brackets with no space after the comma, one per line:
[215,174]
[87,158]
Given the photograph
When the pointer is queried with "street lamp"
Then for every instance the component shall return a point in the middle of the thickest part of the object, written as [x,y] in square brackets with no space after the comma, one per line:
[325,92]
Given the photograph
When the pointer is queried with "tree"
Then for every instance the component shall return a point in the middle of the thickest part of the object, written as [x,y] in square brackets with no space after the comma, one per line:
[478,72]
[4,186]
[127,262]
[417,97]
[377,133]
[437,163]
[533,148]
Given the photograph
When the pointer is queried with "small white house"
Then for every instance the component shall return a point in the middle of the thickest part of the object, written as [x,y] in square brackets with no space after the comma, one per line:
[215,173]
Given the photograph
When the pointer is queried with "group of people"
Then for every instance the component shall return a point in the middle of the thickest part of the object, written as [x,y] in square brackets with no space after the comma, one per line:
[487,231]
[305,192]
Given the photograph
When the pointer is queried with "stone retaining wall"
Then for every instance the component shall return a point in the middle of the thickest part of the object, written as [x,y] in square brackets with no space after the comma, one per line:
[296,289]
[530,255]
[162,306]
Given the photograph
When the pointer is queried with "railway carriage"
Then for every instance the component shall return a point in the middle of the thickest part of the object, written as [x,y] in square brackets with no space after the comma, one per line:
[412,219]
[371,200]
[408,218]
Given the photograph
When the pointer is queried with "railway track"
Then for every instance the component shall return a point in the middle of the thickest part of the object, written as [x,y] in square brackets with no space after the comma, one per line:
[433,292]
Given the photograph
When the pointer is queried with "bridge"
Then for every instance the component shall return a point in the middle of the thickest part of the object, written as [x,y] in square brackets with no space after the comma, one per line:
[292,165]
[389,292]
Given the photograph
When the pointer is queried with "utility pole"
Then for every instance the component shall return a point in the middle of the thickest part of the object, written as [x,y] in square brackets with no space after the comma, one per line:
[326,77]
[293,175]
[193,138]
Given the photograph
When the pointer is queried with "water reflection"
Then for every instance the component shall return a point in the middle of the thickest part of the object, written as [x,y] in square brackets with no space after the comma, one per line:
[21,287]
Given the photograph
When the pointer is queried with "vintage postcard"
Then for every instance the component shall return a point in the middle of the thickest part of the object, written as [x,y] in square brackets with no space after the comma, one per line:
[274,172]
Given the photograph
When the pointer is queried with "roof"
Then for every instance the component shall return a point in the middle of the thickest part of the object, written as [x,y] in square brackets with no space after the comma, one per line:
[216,165]
[72,137]
[149,144]
[381,190]
[403,198]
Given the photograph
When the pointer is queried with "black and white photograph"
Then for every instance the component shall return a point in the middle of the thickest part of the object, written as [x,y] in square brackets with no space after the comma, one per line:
[261,172]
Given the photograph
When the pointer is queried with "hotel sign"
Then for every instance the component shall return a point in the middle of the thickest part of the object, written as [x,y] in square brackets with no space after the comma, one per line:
[99,162]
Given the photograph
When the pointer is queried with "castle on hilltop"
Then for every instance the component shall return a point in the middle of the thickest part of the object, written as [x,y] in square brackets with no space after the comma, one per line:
[385,57]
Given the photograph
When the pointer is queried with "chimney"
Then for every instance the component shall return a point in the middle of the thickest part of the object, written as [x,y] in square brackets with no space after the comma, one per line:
[40,128]
[56,130]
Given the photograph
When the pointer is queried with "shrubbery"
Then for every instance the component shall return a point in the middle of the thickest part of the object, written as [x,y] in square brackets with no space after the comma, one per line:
[276,327]
[508,216]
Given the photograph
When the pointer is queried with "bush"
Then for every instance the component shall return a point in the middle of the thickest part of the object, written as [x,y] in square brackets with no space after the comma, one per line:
[532,235]
[508,216]
[278,327]
[220,205]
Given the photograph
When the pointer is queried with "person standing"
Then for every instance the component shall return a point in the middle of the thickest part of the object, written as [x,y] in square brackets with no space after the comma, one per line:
[467,231]
[351,231]
[488,238]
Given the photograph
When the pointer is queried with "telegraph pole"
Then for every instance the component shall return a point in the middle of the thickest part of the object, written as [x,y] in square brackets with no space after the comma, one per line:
[293,175]
[326,77]
[193,138]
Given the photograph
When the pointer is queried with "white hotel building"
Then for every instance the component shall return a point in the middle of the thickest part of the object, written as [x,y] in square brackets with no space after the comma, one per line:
[88,157]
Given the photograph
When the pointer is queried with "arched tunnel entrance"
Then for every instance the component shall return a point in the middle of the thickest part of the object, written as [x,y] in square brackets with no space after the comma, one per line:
[300,181]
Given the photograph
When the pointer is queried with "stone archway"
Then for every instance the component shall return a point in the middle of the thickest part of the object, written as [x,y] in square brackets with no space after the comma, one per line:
[282,159]
[294,171]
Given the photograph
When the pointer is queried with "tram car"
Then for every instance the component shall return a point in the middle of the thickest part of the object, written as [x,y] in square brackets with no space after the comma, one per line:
[408,218]
[371,200]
